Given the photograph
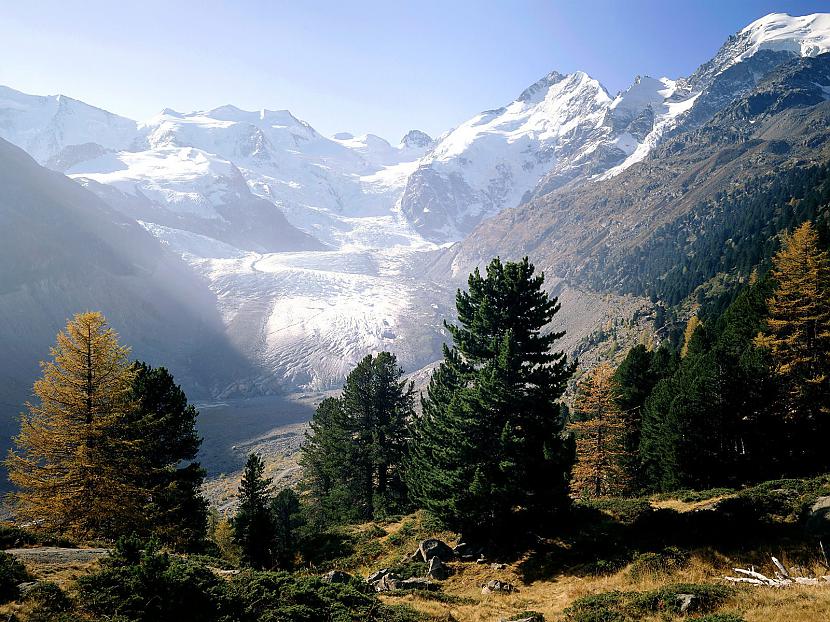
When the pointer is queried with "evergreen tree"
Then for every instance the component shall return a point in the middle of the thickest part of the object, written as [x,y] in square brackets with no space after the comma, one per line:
[74,466]
[600,468]
[798,338]
[287,517]
[488,453]
[354,452]
[164,425]
[253,526]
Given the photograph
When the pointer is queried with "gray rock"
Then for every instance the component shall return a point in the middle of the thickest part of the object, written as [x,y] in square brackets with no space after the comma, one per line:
[377,575]
[387,583]
[498,566]
[25,587]
[438,569]
[435,548]
[466,551]
[685,601]
[818,517]
[337,576]
[417,583]
[495,586]
[533,616]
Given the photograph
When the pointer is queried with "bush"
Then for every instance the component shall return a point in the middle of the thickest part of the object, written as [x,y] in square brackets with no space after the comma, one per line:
[624,510]
[14,537]
[629,606]
[720,617]
[649,564]
[12,573]
[533,616]
[48,597]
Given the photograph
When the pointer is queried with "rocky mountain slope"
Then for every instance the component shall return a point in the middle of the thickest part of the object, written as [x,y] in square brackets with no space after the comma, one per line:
[63,251]
[316,250]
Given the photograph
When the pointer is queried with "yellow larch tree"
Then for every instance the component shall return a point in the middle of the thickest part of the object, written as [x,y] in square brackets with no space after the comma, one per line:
[74,460]
[798,326]
[599,430]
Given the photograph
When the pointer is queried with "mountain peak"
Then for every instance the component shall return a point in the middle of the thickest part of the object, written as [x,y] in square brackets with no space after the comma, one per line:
[417,139]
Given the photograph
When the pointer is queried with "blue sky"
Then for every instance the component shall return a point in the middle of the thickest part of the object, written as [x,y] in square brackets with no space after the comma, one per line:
[353,65]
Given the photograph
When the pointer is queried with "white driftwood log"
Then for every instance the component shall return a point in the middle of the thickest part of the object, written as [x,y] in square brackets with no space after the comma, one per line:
[783,577]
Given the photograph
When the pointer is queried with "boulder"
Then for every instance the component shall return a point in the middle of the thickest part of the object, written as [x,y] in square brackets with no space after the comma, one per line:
[438,569]
[818,517]
[387,583]
[498,566]
[433,547]
[495,586]
[377,575]
[527,616]
[337,576]
[684,601]
[417,583]
[466,552]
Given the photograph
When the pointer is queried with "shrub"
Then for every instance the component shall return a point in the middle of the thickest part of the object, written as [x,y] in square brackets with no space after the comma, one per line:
[13,537]
[624,510]
[410,569]
[532,616]
[720,617]
[648,564]
[629,606]
[12,573]
[48,597]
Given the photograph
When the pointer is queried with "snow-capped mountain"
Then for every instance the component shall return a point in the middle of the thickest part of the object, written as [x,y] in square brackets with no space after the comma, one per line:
[313,245]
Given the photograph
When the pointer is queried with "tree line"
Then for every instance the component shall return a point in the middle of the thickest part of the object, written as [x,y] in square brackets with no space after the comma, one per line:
[491,453]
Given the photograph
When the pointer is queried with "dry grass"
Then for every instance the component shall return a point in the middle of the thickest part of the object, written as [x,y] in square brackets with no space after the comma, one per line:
[552,597]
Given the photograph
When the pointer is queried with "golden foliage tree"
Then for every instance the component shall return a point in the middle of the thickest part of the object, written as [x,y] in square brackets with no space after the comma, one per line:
[73,461]
[691,327]
[798,326]
[599,430]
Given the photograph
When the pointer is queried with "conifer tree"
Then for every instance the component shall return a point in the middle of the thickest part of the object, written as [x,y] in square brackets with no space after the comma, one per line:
[253,526]
[74,463]
[798,338]
[488,453]
[354,452]
[163,424]
[600,440]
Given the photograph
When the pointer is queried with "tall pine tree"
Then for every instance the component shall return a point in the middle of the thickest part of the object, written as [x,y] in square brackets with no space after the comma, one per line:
[253,526]
[488,453]
[354,451]
[164,425]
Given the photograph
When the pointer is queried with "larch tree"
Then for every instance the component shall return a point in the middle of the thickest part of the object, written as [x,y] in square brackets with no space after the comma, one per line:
[74,462]
[797,337]
[488,455]
[600,468]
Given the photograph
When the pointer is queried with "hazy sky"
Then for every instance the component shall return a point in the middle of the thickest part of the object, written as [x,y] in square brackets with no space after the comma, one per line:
[352,65]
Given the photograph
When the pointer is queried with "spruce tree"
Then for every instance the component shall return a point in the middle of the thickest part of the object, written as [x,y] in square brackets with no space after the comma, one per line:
[75,464]
[253,526]
[354,451]
[164,426]
[488,453]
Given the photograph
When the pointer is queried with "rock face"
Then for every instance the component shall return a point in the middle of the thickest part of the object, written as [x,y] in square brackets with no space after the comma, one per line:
[432,547]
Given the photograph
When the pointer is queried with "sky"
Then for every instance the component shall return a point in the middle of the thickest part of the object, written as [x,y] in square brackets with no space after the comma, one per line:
[383,67]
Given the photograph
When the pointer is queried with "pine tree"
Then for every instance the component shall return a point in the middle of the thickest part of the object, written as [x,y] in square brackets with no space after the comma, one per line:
[488,453]
[74,466]
[600,468]
[164,425]
[287,517]
[253,526]
[354,452]
[798,339]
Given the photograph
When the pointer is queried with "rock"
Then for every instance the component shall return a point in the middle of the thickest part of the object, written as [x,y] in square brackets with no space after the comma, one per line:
[438,569]
[25,587]
[337,576]
[495,586]
[527,616]
[498,566]
[685,601]
[435,548]
[818,517]
[417,583]
[387,583]
[377,575]
[466,551]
